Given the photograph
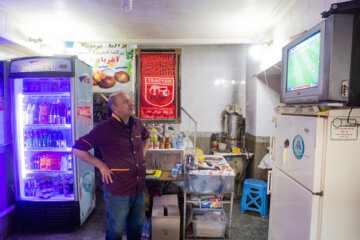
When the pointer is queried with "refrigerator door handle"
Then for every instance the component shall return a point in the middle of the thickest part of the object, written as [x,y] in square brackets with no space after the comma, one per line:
[272,144]
[269,180]
[285,156]
[319,194]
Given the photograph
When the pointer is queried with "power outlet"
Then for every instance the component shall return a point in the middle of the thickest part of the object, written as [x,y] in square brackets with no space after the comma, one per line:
[344,88]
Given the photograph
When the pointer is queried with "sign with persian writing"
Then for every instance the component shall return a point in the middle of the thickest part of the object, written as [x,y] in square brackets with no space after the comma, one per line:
[158,85]
[112,65]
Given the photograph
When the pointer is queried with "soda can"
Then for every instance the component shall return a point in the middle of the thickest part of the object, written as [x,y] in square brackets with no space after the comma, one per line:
[174,172]
[179,168]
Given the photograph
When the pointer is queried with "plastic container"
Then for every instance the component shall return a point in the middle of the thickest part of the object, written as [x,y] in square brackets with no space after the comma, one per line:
[222,147]
[209,228]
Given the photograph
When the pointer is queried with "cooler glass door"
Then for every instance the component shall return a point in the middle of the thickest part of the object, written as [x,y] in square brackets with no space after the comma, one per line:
[43,131]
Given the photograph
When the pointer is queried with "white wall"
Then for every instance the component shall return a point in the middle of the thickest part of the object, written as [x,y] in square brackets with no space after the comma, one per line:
[202,66]
[13,51]
[302,16]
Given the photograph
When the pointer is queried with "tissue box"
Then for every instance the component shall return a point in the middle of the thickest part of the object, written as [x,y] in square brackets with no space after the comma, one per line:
[165,218]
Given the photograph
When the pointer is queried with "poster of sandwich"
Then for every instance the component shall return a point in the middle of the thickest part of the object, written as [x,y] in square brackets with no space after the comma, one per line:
[112,63]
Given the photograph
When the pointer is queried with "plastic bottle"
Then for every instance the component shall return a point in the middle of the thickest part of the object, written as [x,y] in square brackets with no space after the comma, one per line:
[57,113]
[54,139]
[30,140]
[64,166]
[68,115]
[44,139]
[29,117]
[36,113]
[60,187]
[173,143]
[42,162]
[43,115]
[62,113]
[40,137]
[69,162]
[214,142]
[154,135]
[52,114]
[35,139]
[62,140]
[48,144]
[198,153]
[180,141]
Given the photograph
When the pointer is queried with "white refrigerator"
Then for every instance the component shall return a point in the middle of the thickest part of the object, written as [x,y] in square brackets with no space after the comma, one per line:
[315,183]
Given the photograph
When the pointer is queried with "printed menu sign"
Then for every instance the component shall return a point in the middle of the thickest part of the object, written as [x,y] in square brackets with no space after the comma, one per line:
[344,129]
[112,65]
[158,85]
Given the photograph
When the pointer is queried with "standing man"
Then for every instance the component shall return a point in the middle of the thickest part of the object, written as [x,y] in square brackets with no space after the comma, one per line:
[120,139]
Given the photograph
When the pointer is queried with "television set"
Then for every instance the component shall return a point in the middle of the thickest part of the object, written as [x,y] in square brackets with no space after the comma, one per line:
[316,66]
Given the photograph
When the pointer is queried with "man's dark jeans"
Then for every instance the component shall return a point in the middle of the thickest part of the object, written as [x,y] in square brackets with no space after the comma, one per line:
[124,212]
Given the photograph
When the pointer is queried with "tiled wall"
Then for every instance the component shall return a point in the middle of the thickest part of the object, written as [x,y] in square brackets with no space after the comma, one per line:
[258,146]
[262,96]
[211,77]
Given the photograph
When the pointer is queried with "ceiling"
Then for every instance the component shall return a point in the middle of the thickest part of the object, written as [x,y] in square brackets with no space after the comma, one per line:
[150,21]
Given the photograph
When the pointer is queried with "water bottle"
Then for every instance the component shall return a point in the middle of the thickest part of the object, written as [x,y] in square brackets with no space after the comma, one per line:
[64,166]
[29,117]
[69,162]
[52,114]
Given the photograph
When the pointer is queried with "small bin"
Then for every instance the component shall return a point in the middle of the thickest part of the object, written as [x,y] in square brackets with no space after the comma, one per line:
[209,228]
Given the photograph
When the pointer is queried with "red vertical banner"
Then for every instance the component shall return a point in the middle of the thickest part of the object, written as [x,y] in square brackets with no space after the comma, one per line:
[158,85]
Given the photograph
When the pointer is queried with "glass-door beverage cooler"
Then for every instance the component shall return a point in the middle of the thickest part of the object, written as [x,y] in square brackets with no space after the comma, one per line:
[52,107]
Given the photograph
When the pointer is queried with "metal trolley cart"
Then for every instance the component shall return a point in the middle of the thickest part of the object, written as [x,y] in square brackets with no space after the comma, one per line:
[219,179]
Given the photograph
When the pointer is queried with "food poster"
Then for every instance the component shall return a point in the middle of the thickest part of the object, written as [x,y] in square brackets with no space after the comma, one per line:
[158,86]
[112,63]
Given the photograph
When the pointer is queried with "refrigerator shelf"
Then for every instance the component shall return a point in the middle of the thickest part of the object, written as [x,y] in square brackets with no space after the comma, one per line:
[48,149]
[49,171]
[46,126]
[56,198]
[47,94]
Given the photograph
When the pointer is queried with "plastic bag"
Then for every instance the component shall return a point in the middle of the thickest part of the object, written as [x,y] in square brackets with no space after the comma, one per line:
[266,162]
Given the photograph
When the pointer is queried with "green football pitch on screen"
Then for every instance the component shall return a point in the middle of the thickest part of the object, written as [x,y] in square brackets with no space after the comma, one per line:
[303,64]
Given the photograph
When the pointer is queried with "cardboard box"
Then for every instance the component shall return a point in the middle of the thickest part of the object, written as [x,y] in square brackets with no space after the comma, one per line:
[165,218]
[165,200]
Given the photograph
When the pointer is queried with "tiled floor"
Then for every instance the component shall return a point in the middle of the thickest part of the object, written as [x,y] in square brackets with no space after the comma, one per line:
[247,226]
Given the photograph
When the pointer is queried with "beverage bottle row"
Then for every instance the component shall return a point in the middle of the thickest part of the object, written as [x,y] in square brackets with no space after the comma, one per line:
[44,138]
[46,86]
[48,186]
[51,161]
[43,112]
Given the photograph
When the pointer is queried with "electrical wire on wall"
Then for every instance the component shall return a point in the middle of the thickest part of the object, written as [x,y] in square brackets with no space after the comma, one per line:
[348,119]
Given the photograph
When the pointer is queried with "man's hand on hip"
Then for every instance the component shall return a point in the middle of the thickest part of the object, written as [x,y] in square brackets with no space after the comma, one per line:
[106,173]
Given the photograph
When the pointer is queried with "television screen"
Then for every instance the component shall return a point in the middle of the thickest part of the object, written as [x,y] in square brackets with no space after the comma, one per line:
[303,61]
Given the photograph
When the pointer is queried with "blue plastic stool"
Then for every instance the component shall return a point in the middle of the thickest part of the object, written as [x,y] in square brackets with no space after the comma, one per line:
[254,197]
